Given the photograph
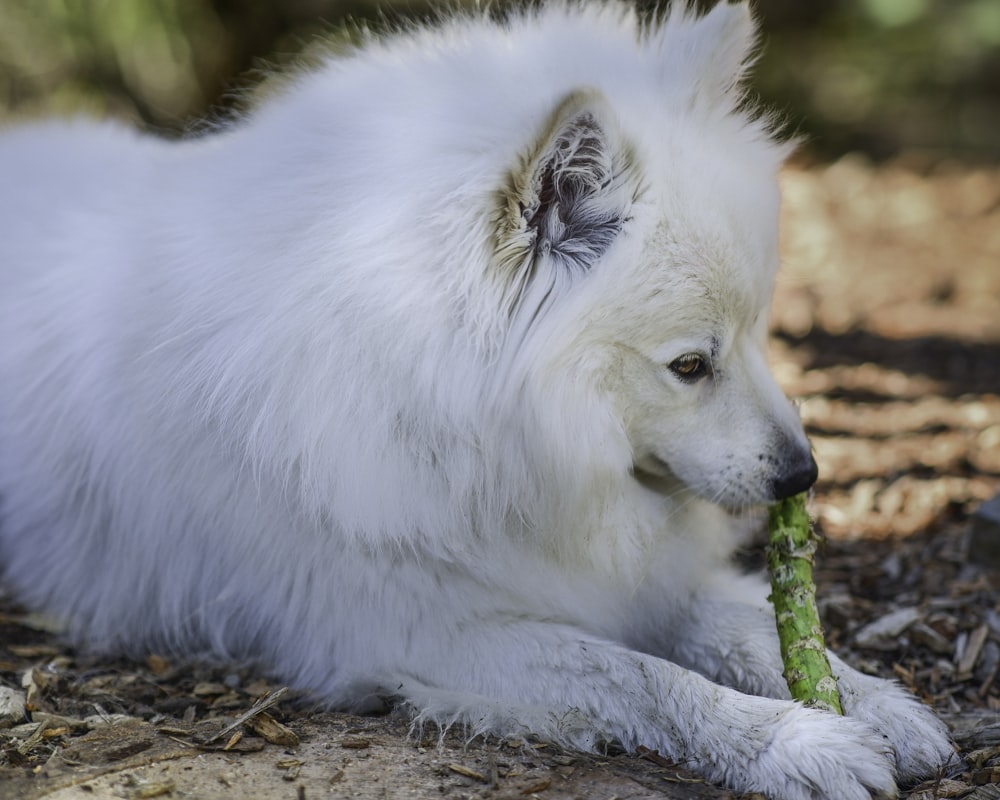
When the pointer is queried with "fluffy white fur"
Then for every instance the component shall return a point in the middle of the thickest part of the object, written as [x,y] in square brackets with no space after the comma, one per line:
[438,377]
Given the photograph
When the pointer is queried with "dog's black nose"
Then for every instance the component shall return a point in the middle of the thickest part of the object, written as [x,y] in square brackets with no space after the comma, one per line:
[799,474]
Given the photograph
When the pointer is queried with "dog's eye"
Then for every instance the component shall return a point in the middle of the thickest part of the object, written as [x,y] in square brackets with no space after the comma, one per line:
[689,367]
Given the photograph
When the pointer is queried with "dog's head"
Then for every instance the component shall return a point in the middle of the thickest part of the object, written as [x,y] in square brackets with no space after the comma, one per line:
[637,247]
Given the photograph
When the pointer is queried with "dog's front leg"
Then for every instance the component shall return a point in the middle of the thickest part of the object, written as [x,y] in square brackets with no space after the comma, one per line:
[727,633]
[521,676]
[723,630]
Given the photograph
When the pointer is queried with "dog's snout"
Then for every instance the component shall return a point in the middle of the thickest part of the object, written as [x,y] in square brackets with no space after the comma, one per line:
[798,475]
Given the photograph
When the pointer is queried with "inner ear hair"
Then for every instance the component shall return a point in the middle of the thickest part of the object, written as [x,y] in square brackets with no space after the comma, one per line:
[568,196]
[565,205]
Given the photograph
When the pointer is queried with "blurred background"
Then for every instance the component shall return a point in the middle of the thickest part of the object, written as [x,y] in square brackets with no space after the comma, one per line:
[880,77]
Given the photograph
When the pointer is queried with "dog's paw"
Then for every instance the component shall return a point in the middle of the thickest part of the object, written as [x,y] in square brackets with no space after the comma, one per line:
[817,754]
[797,753]
[917,737]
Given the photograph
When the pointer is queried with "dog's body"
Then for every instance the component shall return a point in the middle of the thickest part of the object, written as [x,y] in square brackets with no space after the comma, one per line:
[433,379]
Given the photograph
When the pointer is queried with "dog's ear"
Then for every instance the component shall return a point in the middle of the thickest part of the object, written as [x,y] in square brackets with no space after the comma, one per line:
[568,196]
[719,56]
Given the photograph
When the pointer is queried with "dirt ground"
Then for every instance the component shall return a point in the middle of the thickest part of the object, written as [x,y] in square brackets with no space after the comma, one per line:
[886,325]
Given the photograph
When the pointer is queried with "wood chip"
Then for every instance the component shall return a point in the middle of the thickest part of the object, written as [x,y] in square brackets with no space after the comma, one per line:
[34,650]
[655,757]
[537,786]
[209,689]
[258,708]
[984,538]
[269,729]
[926,636]
[882,632]
[158,665]
[988,776]
[59,721]
[157,789]
[970,654]
[355,744]
[32,741]
[943,788]
[468,772]
[987,683]
[170,729]
[11,706]
[258,688]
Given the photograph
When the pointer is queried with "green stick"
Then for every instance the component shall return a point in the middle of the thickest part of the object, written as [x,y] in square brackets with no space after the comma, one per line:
[791,546]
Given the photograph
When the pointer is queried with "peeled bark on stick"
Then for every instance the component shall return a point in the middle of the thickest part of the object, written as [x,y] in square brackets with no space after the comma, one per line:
[791,546]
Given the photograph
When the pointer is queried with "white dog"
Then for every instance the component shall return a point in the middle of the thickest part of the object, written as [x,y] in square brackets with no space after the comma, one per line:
[438,377]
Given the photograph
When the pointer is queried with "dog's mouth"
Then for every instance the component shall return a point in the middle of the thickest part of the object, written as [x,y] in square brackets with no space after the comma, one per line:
[654,473]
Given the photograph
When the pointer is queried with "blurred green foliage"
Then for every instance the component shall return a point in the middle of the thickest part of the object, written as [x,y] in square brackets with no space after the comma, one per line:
[880,76]
[885,76]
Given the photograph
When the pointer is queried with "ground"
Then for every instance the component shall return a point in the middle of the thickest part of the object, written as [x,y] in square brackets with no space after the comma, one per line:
[886,325]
